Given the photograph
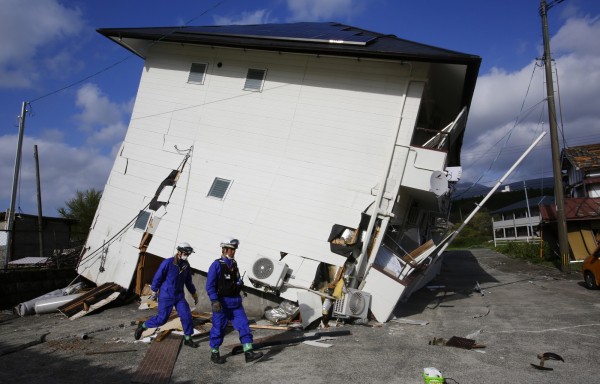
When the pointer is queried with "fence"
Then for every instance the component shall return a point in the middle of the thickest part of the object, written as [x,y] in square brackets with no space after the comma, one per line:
[58,249]
[3,246]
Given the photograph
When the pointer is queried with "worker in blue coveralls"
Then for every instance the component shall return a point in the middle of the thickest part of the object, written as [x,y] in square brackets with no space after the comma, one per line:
[223,287]
[172,275]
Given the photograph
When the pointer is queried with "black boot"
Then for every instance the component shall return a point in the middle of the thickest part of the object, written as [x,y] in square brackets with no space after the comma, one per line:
[252,356]
[216,358]
[138,331]
[190,343]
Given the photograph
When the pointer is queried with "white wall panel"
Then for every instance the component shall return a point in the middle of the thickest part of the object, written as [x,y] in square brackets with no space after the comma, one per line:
[303,154]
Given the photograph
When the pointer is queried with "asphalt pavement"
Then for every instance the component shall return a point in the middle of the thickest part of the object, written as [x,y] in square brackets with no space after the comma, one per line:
[513,310]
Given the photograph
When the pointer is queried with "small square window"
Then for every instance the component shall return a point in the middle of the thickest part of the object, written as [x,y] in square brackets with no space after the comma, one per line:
[197,73]
[141,222]
[255,79]
[219,188]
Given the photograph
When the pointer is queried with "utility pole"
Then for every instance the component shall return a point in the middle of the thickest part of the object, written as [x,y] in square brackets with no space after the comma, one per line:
[11,214]
[561,222]
[39,200]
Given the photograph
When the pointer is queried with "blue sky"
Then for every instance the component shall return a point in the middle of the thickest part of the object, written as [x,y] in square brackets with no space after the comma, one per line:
[82,86]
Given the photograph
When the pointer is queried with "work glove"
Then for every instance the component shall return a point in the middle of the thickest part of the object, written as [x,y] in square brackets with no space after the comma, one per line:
[216,306]
[152,296]
[195,296]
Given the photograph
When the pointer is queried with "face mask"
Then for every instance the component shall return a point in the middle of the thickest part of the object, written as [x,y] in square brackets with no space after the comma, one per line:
[184,257]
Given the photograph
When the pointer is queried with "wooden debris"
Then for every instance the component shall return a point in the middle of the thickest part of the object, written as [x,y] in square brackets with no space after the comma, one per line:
[157,365]
[162,335]
[91,300]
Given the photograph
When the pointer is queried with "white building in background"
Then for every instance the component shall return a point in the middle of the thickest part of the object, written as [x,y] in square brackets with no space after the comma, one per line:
[519,221]
[310,142]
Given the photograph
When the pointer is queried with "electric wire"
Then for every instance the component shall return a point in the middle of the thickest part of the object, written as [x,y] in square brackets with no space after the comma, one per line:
[507,135]
[125,227]
[111,66]
[562,128]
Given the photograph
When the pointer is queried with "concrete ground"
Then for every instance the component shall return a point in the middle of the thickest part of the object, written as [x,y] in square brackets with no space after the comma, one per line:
[522,310]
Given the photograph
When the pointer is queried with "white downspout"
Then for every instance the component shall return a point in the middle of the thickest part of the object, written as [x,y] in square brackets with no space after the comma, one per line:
[362,260]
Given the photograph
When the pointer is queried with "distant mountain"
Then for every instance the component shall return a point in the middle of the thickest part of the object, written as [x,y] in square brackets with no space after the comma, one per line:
[466,190]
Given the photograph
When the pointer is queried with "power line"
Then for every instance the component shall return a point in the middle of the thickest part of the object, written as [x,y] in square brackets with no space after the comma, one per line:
[124,59]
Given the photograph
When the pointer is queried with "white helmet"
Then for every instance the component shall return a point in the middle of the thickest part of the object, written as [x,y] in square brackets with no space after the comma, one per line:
[230,242]
[185,247]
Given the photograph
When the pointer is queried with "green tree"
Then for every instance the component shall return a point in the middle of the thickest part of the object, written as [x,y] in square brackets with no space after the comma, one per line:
[81,208]
[477,231]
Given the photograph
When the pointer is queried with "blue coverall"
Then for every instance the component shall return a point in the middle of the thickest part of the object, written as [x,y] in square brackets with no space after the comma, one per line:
[169,281]
[232,309]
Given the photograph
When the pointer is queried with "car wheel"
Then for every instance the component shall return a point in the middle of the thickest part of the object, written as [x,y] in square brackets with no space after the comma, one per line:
[590,281]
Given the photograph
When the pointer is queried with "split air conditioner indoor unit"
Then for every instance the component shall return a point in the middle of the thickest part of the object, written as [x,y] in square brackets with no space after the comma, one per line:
[268,272]
[353,303]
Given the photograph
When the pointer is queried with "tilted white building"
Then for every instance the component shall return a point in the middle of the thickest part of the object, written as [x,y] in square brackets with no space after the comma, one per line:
[319,142]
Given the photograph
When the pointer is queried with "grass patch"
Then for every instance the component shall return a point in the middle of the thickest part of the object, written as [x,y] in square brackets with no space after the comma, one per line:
[530,252]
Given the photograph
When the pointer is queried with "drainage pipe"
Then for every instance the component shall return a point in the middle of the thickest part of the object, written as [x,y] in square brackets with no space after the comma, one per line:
[52,304]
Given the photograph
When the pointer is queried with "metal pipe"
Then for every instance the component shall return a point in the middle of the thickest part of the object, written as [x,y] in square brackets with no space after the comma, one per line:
[453,235]
[52,304]
[362,262]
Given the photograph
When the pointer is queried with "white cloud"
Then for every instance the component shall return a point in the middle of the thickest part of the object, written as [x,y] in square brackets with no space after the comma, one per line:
[499,97]
[96,107]
[578,36]
[328,10]
[26,29]
[63,170]
[101,117]
[260,16]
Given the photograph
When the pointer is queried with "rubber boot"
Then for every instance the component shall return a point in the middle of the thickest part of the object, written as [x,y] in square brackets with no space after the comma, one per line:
[190,343]
[252,356]
[216,358]
[138,331]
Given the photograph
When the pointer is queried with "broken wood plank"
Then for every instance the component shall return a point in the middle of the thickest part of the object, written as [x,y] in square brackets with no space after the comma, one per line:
[99,304]
[91,300]
[163,334]
[273,327]
[238,348]
[157,365]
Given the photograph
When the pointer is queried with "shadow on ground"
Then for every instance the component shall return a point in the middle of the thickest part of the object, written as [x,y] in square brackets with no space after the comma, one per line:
[457,280]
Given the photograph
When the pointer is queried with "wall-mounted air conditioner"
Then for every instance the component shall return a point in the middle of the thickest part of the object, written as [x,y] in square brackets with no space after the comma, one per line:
[353,303]
[268,272]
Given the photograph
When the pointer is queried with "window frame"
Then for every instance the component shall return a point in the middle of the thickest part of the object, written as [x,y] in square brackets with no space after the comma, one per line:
[191,72]
[214,186]
[255,80]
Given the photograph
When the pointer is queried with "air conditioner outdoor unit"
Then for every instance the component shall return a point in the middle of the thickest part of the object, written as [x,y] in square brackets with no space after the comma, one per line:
[353,303]
[268,272]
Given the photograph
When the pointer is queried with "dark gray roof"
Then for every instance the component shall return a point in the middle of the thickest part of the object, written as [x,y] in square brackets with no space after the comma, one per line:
[332,38]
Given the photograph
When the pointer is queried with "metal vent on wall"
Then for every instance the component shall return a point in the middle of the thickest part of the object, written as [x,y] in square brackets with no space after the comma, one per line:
[219,188]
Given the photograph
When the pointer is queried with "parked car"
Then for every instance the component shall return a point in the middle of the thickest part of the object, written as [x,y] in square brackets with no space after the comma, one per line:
[591,270]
